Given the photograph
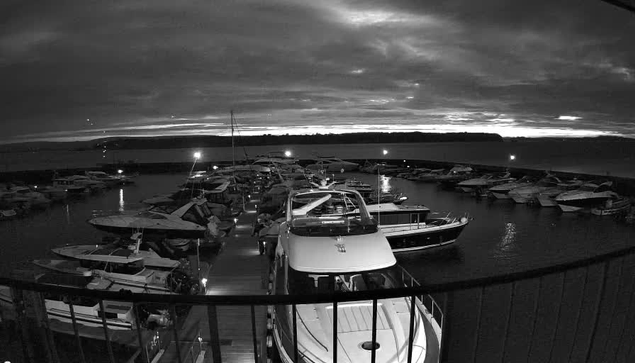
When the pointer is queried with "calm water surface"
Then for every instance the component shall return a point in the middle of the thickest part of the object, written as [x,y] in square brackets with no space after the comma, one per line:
[503,237]
[578,156]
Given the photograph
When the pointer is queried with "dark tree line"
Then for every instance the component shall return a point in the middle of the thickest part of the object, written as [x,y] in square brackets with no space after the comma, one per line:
[355,138]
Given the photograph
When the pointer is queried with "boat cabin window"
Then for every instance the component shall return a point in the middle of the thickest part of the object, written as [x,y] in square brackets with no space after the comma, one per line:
[302,283]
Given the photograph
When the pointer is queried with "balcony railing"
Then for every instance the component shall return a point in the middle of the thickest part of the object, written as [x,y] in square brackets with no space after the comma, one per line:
[576,311]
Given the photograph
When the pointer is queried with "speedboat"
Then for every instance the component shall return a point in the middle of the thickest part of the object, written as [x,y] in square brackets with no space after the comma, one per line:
[502,191]
[410,227]
[481,184]
[325,250]
[332,164]
[529,193]
[115,254]
[174,221]
[589,195]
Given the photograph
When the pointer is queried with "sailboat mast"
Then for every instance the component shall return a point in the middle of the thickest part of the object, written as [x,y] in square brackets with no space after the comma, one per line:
[231,112]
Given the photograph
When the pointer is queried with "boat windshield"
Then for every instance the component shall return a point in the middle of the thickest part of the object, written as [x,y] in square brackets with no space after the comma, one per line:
[329,213]
[318,283]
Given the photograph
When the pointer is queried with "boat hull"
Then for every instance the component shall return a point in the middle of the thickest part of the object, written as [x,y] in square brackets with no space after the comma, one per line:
[406,239]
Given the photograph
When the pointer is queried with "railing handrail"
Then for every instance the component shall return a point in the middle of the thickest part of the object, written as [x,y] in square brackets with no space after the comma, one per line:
[424,288]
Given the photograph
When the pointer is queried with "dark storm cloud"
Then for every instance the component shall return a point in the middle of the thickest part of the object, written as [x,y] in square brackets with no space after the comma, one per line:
[133,67]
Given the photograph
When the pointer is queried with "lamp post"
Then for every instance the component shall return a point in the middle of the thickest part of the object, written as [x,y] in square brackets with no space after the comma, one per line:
[197,155]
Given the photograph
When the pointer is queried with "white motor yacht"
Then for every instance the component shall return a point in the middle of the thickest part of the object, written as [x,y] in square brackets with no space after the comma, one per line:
[325,250]
[588,196]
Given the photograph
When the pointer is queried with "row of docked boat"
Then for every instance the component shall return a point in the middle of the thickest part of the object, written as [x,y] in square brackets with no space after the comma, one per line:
[18,199]
[596,197]
[138,261]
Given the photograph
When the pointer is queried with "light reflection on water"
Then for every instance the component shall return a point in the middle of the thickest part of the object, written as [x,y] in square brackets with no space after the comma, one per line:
[122,203]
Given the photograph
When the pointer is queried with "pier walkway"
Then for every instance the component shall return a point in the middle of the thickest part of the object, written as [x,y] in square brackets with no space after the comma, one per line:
[239,269]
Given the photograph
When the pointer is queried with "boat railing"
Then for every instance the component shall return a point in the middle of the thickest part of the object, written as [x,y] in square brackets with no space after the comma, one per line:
[430,306]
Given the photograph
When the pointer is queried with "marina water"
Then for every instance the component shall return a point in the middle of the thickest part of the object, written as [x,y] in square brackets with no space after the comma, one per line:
[502,237]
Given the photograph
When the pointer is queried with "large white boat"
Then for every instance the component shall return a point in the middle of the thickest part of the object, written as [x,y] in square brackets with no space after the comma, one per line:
[323,250]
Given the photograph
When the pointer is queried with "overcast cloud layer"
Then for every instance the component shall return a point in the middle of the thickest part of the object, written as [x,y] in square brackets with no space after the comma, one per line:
[75,70]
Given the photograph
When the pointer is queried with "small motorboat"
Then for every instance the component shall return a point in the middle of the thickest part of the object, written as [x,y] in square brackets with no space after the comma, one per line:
[615,205]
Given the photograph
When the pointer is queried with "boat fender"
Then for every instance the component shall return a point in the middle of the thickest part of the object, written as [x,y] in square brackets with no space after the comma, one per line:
[463,219]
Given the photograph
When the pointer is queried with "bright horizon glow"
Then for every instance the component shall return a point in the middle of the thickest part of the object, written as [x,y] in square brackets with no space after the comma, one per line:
[506,131]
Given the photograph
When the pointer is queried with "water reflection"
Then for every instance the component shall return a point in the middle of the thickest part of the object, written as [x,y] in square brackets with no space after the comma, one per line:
[121,201]
[67,213]
[508,240]
[384,182]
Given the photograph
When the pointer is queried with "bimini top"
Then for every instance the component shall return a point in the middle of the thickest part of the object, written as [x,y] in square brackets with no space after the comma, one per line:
[330,230]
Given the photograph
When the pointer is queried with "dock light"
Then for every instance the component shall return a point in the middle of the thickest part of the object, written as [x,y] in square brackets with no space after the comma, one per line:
[385,152]
[119,171]
[235,220]
[512,157]
[204,282]
[197,155]
[214,167]
[287,153]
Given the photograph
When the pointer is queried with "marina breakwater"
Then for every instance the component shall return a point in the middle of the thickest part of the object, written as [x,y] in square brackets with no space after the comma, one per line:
[622,185]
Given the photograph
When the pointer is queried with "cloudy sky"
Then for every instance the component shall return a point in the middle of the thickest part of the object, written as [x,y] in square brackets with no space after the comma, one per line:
[76,70]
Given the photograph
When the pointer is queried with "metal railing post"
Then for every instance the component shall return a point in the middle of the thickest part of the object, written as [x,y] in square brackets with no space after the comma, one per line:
[76,331]
[411,333]
[144,353]
[253,333]
[373,352]
[106,333]
[295,333]
[214,339]
[176,335]
[334,331]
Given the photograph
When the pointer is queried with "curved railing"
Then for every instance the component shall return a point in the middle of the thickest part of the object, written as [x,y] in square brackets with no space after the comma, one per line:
[573,311]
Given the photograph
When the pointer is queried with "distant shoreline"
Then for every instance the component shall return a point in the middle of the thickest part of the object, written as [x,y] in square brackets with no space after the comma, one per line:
[178,142]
